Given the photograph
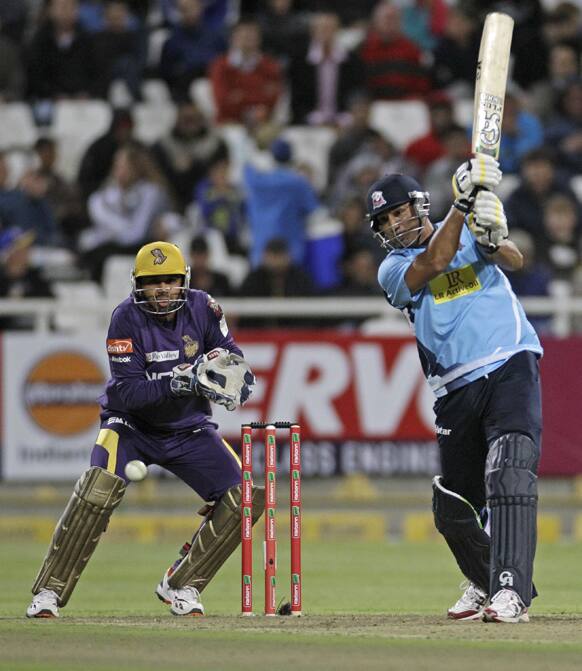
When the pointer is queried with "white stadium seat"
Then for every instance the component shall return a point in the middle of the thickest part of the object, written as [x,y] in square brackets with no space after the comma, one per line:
[201,93]
[117,277]
[400,121]
[311,146]
[17,128]
[76,124]
[152,121]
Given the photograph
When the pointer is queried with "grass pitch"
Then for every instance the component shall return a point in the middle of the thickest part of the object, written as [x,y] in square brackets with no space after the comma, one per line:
[367,606]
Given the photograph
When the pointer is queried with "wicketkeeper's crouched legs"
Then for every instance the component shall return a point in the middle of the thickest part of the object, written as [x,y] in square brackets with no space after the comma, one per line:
[96,495]
[216,539]
[461,527]
[511,484]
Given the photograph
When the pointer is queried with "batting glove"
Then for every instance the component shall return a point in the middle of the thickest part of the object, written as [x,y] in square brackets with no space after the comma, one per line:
[488,222]
[480,172]
[184,381]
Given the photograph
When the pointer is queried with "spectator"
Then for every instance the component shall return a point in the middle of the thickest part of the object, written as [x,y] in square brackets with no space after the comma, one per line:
[124,211]
[63,198]
[323,76]
[18,279]
[564,130]
[202,276]
[13,18]
[455,55]
[560,250]
[119,51]
[93,19]
[564,67]
[423,151]
[246,83]
[219,205]
[360,273]
[522,132]
[437,178]
[279,203]
[12,77]
[533,279]
[189,49]
[394,65]
[275,277]
[539,181]
[285,30]
[97,160]
[424,22]
[355,178]
[351,213]
[564,24]
[60,59]
[187,152]
[26,208]
[351,12]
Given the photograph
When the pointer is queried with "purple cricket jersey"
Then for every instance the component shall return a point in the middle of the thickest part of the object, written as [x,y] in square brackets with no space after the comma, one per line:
[142,352]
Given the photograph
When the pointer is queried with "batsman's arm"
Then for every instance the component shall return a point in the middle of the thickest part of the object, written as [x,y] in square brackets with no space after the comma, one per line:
[440,251]
[507,257]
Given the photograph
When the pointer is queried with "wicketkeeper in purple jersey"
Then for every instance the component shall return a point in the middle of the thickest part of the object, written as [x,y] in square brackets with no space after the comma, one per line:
[170,354]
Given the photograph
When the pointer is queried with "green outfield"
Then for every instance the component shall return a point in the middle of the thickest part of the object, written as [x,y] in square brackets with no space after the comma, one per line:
[367,606]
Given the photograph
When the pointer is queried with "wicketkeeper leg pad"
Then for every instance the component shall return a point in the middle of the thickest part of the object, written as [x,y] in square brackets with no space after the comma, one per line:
[512,496]
[461,527]
[217,538]
[96,495]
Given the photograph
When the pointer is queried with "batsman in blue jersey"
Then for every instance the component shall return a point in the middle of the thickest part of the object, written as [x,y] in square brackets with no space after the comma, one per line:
[170,354]
[480,356]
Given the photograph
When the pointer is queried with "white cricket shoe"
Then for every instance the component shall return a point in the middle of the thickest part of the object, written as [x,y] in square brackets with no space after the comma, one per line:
[471,604]
[182,601]
[506,606]
[187,602]
[163,591]
[44,604]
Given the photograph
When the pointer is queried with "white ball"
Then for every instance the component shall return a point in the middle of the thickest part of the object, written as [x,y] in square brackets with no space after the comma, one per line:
[136,470]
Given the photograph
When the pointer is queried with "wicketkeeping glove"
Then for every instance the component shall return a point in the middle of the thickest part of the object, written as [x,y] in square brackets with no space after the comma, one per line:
[487,222]
[482,171]
[220,376]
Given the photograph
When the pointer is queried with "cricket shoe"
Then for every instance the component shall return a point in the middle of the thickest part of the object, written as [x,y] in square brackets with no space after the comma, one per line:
[506,606]
[187,602]
[43,605]
[471,604]
[163,591]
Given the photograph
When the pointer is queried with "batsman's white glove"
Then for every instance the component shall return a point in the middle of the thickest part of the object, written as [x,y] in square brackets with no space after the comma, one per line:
[480,172]
[487,222]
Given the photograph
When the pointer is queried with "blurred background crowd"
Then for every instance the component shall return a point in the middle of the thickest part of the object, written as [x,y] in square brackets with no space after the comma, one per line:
[248,132]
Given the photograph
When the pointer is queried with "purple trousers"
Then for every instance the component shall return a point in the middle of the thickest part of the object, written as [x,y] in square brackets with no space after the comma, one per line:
[201,458]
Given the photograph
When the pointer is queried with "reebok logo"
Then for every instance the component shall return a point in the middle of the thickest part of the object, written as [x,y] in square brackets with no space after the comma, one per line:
[121,359]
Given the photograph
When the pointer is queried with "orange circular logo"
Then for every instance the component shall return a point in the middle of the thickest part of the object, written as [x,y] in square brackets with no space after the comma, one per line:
[61,393]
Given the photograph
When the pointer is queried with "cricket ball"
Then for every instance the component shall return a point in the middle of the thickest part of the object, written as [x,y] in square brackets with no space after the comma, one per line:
[136,470]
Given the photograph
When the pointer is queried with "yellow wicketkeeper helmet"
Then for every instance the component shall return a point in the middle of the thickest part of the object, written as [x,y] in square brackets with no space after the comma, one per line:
[159,259]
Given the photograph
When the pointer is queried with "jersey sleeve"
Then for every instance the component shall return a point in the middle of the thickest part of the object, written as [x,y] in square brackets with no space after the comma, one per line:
[391,278]
[128,369]
[217,333]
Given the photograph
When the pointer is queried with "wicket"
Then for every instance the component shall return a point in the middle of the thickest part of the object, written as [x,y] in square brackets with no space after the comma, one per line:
[270,543]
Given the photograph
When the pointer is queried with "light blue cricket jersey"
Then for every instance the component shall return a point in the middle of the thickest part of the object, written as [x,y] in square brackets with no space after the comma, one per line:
[467,321]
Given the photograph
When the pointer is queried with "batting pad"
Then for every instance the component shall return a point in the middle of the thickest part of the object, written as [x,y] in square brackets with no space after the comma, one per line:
[96,495]
[461,527]
[217,538]
[512,496]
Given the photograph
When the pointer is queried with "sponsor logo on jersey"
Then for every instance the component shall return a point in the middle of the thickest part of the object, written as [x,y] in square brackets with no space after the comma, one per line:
[119,420]
[119,346]
[167,355]
[443,432]
[454,284]
[219,314]
[61,390]
[190,347]
[121,359]
[158,376]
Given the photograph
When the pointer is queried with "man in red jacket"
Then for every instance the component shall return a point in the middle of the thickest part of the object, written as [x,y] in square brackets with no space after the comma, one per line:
[245,82]
[393,63]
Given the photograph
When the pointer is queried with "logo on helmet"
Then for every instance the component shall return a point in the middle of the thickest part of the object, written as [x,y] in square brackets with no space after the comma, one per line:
[159,256]
[377,199]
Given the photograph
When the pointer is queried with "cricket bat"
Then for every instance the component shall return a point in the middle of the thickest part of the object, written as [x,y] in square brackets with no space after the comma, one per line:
[490,83]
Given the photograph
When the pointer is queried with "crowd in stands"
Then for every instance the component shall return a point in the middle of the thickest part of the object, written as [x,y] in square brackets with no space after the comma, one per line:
[281,113]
